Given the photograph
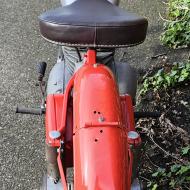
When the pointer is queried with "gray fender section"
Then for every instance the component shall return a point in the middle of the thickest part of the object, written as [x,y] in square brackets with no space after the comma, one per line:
[67,64]
[68,2]
[125,75]
[58,78]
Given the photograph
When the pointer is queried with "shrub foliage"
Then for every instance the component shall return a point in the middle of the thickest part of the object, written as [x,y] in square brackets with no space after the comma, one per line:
[177,26]
[178,73]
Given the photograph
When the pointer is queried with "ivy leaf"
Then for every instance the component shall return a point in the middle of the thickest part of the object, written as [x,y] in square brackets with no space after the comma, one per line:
[176,32]
[185,150]
[163,79]
[169,174]
[159,172]
[184,169]
[154,187]
[175,168]
[173,73]
[155,174]
[172,183]
[188,178]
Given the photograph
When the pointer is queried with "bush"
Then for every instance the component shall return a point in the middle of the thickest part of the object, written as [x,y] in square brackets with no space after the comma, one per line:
[177,27]
[178,73]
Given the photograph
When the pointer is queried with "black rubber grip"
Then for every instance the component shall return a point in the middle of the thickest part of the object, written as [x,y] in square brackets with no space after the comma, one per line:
[41,70]
[33,111]
[147,114]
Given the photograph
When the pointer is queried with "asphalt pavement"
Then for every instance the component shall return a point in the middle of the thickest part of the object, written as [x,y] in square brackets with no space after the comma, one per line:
[21,48]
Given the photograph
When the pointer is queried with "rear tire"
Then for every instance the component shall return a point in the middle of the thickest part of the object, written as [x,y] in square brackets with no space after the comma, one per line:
[126,78]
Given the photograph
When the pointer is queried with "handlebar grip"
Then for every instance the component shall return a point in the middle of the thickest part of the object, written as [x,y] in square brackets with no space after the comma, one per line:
[41,70]
[33,111]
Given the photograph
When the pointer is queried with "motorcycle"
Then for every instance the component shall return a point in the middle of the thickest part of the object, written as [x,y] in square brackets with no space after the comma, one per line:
[89,99]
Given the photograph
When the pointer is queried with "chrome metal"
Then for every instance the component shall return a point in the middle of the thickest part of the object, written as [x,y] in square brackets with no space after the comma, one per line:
[70,186]
[115,2]
[48,184]
[136,185]
[54,134]
[101,119]
[95,65]
[68,2]
[133,135]
[135,148]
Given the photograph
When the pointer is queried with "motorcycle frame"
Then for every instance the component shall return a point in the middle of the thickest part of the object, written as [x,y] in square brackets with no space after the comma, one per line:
[56,121]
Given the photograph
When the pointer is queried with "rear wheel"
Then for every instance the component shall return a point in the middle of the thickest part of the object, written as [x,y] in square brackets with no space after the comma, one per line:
[127,79]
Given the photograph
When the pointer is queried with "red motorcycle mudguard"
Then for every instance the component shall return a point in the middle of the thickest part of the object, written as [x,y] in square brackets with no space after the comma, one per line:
[100,137]
[54,110]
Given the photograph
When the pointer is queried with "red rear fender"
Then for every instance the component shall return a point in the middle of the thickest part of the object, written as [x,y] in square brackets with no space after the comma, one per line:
[96,96]
[100,148]
[54,111]
[100,159]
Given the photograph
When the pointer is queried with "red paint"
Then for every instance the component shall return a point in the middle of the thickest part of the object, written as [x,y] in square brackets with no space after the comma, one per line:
[91,57]
[65,105]
[127,112]
[95,95]
[130,168]
[94,128]
[100,146]
[100,158]
[54,110]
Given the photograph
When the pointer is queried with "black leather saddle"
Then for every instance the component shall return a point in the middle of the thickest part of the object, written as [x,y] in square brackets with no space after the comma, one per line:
[93,23]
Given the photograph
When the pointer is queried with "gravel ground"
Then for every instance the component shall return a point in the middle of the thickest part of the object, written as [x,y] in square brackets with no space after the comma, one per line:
[21,136]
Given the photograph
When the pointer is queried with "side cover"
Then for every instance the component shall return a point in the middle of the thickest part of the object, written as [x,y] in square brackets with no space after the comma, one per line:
[100,144]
